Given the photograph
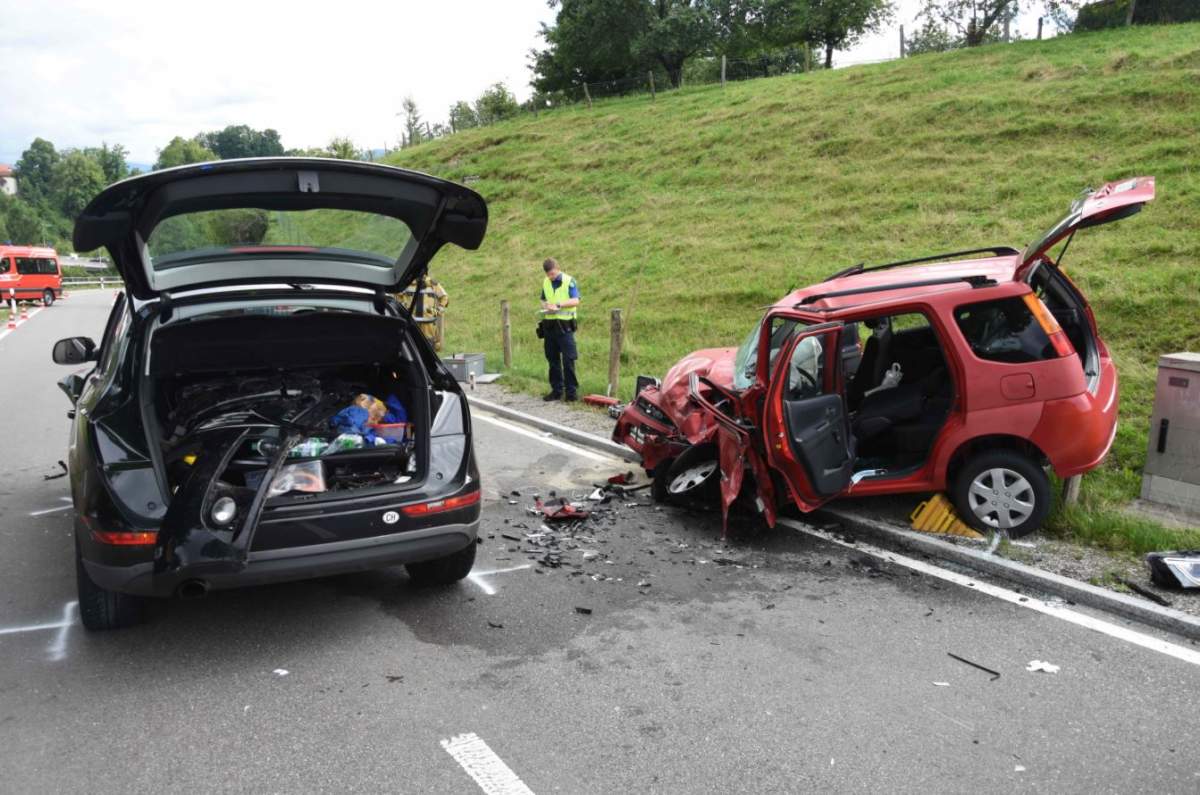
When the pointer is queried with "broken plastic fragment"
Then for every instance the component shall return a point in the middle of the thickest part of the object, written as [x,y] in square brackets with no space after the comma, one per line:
[281,672]
[1042,665]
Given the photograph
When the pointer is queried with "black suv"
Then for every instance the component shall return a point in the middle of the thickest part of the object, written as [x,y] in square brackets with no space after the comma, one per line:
[262,407]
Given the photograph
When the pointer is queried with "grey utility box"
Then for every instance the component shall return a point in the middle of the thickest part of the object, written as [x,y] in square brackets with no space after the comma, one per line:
[1172,475]
[464,365]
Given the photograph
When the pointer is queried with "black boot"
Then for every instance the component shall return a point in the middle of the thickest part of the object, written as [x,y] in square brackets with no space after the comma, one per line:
[552,396]
[571,397]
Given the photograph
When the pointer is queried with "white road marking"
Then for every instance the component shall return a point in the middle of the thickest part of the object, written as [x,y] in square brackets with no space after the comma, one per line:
[19,323]
[58,647]
[45,511]
[477,577]
[550,440]
[481,764]
[1037,605]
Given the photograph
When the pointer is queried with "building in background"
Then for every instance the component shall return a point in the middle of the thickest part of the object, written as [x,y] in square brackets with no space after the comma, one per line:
[8,182]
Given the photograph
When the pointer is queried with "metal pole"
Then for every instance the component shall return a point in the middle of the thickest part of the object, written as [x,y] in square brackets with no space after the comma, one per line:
[652,94]
[614,354]
[506,334]
[722,71]
[1007,30]
[1040,28]
[901,41]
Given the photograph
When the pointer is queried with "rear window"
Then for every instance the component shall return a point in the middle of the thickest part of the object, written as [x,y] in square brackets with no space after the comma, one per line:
[249,232]
[1004,331]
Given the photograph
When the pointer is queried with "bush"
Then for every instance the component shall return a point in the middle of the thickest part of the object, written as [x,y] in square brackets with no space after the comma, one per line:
[1111,13]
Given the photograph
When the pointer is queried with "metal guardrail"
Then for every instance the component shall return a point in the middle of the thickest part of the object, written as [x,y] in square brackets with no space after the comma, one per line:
[99,281]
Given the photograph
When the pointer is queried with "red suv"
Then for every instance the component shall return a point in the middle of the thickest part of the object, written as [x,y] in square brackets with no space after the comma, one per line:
[940,373]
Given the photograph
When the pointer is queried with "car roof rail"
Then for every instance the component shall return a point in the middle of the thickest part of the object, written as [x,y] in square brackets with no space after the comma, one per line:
[999,251]
[975,282]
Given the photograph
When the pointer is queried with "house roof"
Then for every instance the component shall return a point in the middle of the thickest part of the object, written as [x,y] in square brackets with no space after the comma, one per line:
[6,170]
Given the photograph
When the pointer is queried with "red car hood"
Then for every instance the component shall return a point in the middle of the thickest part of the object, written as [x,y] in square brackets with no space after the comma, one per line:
[714,363]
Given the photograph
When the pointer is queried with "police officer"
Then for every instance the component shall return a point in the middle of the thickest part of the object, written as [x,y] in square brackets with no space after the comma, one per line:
[560,299]
[431,302]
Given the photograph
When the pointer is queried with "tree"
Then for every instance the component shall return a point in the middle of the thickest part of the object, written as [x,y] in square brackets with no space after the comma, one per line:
[111,160]
[35,168]
[976,20]
[412,134]
[931,37]
[240,140]
[343,149]
[462,116]
[76,179]
[676,30]
[181,151]
[495,104]
[828,24]
[590,41]
[25,227]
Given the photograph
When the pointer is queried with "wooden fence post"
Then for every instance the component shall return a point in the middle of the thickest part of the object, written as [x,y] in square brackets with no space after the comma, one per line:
[506,334]
[439,329]
[722,71]
[1129,12]
[587,95]
[1071,489]
[614,353]
[901,41]
[652,94]
[1007,30]
[1039,28]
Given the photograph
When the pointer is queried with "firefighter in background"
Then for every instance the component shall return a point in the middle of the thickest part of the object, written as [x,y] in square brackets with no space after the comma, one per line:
[431,302]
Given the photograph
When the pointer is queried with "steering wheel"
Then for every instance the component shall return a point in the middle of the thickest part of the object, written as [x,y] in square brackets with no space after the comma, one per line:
[816,388]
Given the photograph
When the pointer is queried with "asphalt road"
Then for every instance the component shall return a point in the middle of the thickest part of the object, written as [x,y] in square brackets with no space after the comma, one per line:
[776,663]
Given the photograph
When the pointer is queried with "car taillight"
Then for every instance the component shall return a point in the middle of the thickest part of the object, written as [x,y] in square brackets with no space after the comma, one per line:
[1058,337]
[441,506]
[140,538]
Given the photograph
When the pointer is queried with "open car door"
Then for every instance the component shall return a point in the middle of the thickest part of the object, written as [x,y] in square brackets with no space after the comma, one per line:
[805,428]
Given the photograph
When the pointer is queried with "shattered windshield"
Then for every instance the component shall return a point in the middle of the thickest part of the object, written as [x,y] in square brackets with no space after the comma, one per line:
[241,231]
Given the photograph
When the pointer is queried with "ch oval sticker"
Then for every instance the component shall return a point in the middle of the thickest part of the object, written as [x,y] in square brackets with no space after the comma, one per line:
[391,517]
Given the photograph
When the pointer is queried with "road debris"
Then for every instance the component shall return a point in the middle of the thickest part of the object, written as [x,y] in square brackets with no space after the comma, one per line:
[393,678]
[1175,569]
[495,625]
[281,672]
[1145,592]
[941,684]
[583,611]
[1042,666]
[563,511]
[57,475]
[995,674]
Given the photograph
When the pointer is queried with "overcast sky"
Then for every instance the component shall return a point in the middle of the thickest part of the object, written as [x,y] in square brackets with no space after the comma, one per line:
[139,72]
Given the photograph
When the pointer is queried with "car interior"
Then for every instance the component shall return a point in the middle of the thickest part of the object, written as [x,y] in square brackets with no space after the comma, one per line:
[900,394]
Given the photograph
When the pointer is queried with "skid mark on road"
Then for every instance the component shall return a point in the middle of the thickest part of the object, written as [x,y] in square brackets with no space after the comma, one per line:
[483,765]
[476,577]
[1004,594]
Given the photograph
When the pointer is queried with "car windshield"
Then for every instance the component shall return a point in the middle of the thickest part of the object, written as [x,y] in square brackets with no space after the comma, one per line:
[246,231]
[745,363]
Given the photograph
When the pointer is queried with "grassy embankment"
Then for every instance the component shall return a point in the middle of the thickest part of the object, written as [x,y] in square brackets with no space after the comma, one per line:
[693,212]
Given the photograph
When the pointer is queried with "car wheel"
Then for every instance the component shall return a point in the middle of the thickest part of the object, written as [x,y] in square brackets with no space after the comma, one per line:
[445,570]
[695,475]
[100,609]
[1002,490]
[47,297]
[658,488]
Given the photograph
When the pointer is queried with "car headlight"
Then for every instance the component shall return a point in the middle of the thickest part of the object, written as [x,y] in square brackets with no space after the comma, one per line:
[1184,567]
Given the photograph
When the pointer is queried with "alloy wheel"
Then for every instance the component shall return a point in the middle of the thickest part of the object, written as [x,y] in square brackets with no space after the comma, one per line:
[692,477]
[1001,498]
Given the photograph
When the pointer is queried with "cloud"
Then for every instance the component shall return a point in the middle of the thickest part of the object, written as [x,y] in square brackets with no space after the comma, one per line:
[77,72]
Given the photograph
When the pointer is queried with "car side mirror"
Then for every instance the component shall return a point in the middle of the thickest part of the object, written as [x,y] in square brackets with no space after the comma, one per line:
[74,350]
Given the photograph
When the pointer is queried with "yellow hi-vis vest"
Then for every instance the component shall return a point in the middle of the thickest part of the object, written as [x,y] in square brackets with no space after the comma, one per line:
[552,296]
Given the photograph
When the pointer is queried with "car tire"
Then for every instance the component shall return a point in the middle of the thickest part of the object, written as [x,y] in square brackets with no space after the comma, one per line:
[1002,490]
[445,570]
[47,297]
[694,477]
[658,488]
[100,609]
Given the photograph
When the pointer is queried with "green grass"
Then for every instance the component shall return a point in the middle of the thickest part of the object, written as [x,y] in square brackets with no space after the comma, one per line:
[693,212]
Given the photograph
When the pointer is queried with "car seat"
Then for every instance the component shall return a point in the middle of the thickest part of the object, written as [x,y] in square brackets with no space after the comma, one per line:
[872,364]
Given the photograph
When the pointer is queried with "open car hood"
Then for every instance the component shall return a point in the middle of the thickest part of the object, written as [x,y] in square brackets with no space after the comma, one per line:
[1110,202]
[122,217]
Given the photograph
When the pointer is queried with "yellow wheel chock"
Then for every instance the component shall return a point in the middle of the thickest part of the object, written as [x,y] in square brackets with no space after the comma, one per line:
[936,515]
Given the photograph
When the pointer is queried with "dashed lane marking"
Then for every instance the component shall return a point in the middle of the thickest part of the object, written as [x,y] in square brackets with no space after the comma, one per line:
[6,331]
[483,765]
[45,511]
[1021,600]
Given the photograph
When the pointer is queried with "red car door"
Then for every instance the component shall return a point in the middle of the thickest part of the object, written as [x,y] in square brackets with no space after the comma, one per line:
[805,429]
